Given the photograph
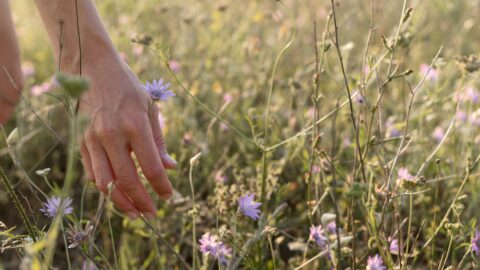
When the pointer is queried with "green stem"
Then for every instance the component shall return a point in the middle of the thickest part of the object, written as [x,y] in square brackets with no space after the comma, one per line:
[273,252]
[194,214]
[17,204]
[111,230]
[267,109]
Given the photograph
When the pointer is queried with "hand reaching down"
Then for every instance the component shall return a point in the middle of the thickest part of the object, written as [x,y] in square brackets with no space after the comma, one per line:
[124,120]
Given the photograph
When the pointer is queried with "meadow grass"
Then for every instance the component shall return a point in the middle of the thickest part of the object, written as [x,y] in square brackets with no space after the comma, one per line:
[355,124]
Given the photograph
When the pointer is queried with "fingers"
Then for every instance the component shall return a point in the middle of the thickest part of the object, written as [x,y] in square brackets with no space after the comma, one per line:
[103,176]
[168,162]
[87,162]
[144,147]
[125,173]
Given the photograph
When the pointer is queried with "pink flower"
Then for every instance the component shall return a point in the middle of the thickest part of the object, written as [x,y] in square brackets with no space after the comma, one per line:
[473,94]
[461,116]
[438,134]
[227,98]
[175,66]
[28,70]
[317,234]
[404,174]
[393,245]
[375,263]
[46,86]
[432,74]
[137,50]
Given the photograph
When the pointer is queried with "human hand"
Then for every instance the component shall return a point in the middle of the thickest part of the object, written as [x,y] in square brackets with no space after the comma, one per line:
[123,120]
[7,103]
[10,86]
[11,77]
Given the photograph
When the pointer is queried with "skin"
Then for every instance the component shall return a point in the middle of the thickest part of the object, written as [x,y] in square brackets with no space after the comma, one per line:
[9,64]
[123,119]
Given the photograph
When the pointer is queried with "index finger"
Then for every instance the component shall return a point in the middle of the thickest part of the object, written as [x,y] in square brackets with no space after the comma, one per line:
[145,149]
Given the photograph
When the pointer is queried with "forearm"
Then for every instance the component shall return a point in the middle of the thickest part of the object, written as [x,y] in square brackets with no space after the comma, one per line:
[10,70]
[80,45]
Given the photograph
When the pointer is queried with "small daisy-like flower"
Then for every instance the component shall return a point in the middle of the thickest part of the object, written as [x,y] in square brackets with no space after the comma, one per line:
[375,263]
[476,242]
[318,235]
[249,207]
[158,90]
[208,244]
[77,235]
[52,205]
[211,246]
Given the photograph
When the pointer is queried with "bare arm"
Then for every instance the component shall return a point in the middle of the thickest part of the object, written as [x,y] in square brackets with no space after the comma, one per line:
[9,64]
[123,118]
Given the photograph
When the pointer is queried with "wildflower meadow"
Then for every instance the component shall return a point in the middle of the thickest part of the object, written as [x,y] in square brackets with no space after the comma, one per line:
[334,134]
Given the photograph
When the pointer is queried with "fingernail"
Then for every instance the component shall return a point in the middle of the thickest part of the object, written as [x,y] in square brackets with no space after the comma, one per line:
[170,159]
[165,196]
[148,215]
[133,215]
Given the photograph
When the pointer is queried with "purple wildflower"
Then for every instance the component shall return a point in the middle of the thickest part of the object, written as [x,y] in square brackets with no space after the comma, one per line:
[223,253]
[360,99]
[88,265]
[393,245]
[476,242]
[392,130]
[461,116]
[208,244]
[158,90]
[432,73]
[332,227]
[473,94]
[404,174]
[318,234]
[52,205]
[211,246]
[249,207]
[375,263]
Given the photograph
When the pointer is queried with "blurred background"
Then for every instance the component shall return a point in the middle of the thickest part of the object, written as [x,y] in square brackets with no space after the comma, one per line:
[223,52]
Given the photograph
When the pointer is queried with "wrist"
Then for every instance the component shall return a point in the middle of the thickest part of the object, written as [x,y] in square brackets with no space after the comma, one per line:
[88,59]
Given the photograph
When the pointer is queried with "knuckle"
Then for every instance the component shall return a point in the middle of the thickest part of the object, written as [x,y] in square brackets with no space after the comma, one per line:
[127,183]
[107,132]
[101,185]
[134,124]
[152,172]
[89,136]
[160,142]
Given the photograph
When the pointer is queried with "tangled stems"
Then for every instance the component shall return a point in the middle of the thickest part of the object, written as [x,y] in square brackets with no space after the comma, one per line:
[267,109]
[17,204]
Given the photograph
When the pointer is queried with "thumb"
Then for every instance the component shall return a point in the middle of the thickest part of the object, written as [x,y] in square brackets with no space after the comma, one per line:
[167,160]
